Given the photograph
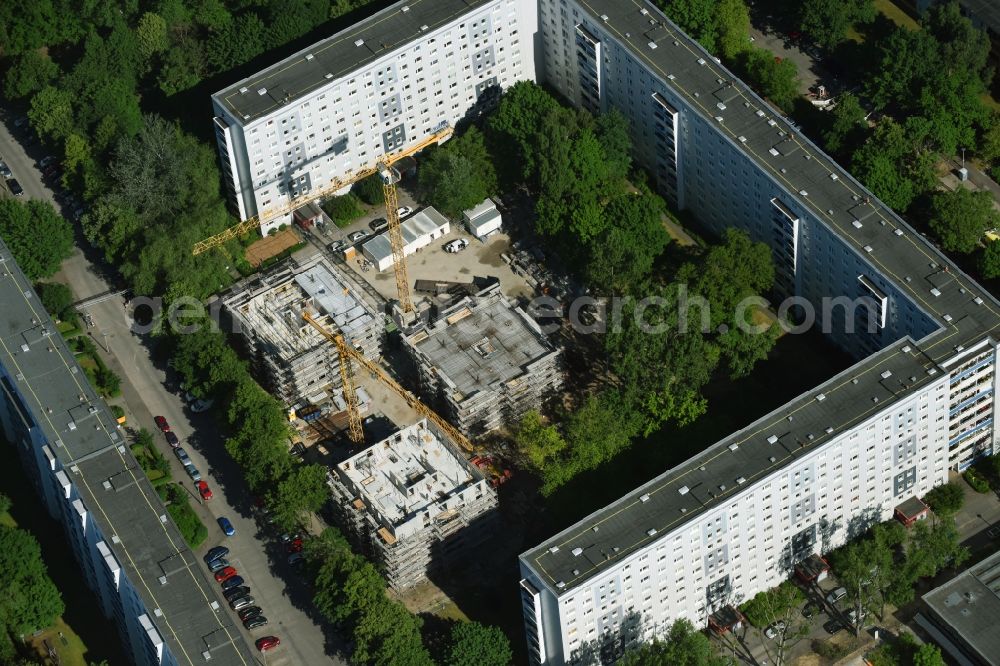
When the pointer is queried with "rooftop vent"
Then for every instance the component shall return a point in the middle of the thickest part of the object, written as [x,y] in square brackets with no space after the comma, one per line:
[771,122]
[309,56]
[906,349]
[243,90]
[734,446]
[651,531]
[834,176]
[554,549]
[772,459]
[741,480]
[424,28]
[644,497]
[898,232]
[742,139]
[328,76]
[719,118]
[721,106]
[773,439]
[577,552]
[261,91]
[560,585]
[947,317]
[803,193]
[935,291]
[760,114]
[405,8]
[774,151]
[821,397]
[683,490]
[868,248]
[652,45]
[701,61]
[977,300]
[359,42]
[857,224]
[25,347]
[671,76]
[829,430]
[644,11]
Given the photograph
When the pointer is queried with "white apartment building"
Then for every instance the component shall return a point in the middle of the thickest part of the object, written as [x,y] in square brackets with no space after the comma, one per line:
[309,122]
[735,519]
[146,581]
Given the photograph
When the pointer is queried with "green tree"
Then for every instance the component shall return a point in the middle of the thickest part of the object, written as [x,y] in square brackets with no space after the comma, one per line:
[259,443]
[695,17]
[989,260]
[541,443]
[826,21]
[778,608]
[474,644]
[895,164]
[512,129]
[36,234]
[28,74]
[622,255]
[732,21]
[960,218]
[31,600]
[847,125]
[56,298]
[151,34]
[458,175]
[51,112]
[683,646]
[5,504]
[343,210]
[773,77]
[928,655]
[302,492]
[183,67]
[369,190]
[239,41]
[945,499]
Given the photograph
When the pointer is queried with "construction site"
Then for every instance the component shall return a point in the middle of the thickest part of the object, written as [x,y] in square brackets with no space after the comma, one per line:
[290,356]
[484,362]
[413,503]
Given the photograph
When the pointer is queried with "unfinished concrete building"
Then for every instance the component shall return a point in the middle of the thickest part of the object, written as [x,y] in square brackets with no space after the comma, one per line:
[290,356]
[413,503]
[484,362]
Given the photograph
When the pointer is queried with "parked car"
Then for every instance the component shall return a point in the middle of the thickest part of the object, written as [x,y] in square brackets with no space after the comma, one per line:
[290,536]
[294,546]
[226,526]
[161,423]
[836,595]
[223,574]
[809,610]
[241,602]
[296,559]
[852,616]
[201,405]
[249,612]
[832,626]
[236,592]
[192,471]
[172,439]
[456,245]
[216,553]
[5,170]
[255,622]
[230,583]
[204,490]
[775,629]
[379,224]
[993,532]
[15,187]
[357,235]
[404,211]
[336,246]
[267,643]
[182,455]
[45,161]
[218,564]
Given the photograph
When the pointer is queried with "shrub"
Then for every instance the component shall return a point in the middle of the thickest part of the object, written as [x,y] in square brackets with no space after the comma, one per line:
[945,499]
[978,483]
[343,210]
[190,526]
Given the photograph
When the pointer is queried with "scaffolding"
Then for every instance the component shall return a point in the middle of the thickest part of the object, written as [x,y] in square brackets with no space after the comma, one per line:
[413,503]
[289,356]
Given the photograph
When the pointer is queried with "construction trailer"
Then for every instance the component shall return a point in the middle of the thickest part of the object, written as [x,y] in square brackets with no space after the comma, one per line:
[413,504]
[418,231]
[484,362]
[483,220]
[289,356]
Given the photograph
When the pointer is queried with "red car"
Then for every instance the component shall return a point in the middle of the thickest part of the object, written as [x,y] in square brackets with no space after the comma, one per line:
[206,492]
[267,642]
[295,546]
[223,574]
[161,423]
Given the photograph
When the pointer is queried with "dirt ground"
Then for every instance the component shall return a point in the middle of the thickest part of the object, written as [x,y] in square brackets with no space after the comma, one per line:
[270,246]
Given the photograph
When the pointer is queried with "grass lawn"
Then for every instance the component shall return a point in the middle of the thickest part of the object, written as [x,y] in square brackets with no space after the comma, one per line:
[68,329]
[68,646]
[896,15]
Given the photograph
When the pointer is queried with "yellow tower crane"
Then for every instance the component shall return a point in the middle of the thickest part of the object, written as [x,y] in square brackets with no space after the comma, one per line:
[347,354]
[389,176]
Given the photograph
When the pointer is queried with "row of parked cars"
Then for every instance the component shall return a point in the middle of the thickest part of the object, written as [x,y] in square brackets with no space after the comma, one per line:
[237,593]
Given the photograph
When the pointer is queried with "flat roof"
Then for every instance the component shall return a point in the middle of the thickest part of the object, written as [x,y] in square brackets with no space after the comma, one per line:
[969,604]
[480,343]
[965,312]
[86,440]
[419,224]
[337,56]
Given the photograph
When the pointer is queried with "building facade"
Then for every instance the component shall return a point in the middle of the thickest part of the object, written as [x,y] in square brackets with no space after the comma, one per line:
[145,580]
[311,121]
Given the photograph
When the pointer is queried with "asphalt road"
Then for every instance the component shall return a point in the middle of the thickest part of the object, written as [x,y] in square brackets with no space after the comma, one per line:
[283,597]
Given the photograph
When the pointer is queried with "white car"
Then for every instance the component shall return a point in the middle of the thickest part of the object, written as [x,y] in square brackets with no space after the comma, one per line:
[456,245]
[404,211]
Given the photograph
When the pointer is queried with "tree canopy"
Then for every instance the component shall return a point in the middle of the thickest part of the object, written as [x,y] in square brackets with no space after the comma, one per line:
[960,218]
[826,21]
[458,175]
[683,646]
[38,236]
[474,644]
